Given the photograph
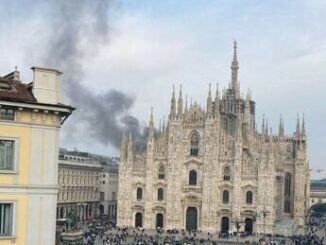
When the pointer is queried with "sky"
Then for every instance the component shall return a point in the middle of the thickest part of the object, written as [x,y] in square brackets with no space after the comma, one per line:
[152,45]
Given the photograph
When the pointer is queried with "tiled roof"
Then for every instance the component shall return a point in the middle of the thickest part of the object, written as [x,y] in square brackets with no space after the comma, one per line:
[18,92]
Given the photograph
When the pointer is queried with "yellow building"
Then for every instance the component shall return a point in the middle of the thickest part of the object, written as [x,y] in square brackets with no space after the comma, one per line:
[30,119]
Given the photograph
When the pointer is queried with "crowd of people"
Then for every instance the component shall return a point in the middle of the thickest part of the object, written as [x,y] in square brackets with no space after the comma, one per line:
[312,237]
[106,234]
[143,237]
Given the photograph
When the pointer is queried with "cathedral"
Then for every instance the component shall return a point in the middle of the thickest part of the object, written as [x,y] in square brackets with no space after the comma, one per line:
[211,169]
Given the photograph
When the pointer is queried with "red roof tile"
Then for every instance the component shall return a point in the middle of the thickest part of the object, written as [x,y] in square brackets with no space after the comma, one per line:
[19,92]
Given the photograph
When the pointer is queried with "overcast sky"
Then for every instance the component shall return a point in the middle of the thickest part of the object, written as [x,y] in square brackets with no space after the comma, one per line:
[155,44]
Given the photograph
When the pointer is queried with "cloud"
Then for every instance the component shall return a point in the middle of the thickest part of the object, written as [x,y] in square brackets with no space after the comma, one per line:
[282,55]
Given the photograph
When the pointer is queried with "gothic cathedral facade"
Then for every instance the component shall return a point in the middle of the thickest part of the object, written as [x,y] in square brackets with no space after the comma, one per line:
[211,169]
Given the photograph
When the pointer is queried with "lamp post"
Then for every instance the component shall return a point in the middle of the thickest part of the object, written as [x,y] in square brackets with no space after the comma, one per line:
[238,223]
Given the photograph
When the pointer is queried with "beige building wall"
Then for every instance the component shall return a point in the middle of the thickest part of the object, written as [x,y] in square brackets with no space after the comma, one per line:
[109,191]
[79,186]
[31,186]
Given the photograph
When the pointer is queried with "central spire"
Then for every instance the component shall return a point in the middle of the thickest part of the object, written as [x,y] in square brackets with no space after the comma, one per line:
[234,69]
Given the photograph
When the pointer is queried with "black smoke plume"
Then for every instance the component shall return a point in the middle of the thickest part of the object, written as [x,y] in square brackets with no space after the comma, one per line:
[78,29]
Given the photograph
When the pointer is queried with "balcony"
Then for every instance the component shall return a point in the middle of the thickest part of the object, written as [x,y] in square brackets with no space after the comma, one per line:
[192,189]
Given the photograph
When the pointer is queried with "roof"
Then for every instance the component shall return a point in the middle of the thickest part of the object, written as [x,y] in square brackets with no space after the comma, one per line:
[16,91]
[318,186]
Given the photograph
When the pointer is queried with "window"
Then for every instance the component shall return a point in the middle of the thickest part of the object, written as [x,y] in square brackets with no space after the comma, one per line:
[7,151]
[160,194]
[161,172]
[287,193]
[4,85]
[113,196]
[102,196]
[7,114]
[193,177]
[249,197]
[6,219]
[227,174]
[194,144]
[139,193]
[225,197]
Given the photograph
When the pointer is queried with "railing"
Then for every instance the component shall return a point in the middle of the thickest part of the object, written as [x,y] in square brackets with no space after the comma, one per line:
[192,188]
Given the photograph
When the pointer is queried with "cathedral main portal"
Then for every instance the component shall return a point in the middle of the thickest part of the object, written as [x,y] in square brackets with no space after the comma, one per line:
[191,219]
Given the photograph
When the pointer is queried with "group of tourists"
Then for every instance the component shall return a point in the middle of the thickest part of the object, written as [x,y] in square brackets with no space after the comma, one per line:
[127,235]
[106,234]
[311,237]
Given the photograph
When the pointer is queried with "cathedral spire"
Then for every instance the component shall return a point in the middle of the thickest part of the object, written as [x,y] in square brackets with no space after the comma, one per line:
[130,146]
[173,105]
[298,127]
[209,101]
[151,125]
[123,147]
[186,105]
[150,139]
[163,125]
[130,138]
[303,130]
[217,102]
[234,69]
[180,103]
[263,125]
[281,127]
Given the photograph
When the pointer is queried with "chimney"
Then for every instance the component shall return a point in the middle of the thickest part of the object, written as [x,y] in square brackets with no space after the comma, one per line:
[46,85]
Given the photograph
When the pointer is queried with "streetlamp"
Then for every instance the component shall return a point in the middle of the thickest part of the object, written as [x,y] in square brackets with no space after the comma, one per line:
[238,223]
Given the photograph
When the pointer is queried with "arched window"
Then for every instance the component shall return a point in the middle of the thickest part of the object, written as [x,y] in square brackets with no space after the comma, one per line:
[139,193]
[160,194]
[139,220]
[193,177]
[287,193]
[194,144]
[161,172]
[249,197]
[226,197]
[227,173]
[159,221]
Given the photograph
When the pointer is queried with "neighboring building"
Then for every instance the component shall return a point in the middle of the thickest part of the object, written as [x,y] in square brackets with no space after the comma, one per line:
[109,190]
[209,168]
[30,119]
[79,185]
[317,192]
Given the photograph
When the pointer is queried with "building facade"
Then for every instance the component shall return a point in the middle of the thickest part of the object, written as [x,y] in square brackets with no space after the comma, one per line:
[317,192]
[30,119]
[211,168]
[109,190]
[79,185]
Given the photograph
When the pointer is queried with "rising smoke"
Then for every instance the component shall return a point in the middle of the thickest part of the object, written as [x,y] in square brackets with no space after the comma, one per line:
[78,29]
